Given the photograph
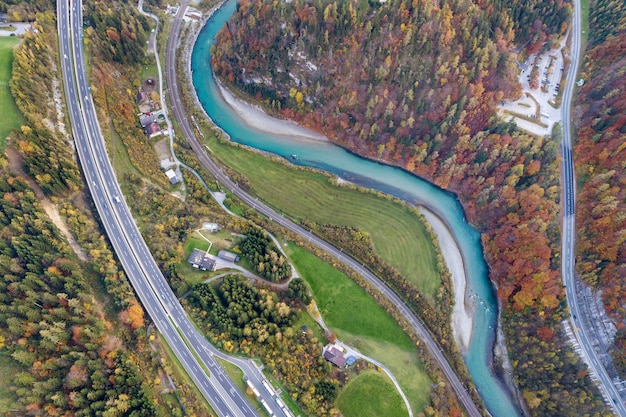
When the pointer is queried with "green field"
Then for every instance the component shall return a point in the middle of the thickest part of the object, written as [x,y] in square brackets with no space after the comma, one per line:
[370,394]
[119,155]
[358,320]
[399,237]
[11,118]
[584,7]
[196,242]
[149,70]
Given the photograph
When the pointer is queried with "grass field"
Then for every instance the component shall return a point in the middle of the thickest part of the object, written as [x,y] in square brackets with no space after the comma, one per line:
[398,235]
[11,117]
[120,158]
[358,320]
[196,242]
[370,394]
[584,18]
[150,70]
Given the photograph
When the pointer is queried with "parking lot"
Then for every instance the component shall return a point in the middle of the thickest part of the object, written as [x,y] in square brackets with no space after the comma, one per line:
[537,110]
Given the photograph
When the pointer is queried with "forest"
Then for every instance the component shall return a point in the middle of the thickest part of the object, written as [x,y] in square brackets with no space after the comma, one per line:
[71,361]
[73,336]
[239,317]
[415,84]
[23,10]
[45,154]
[266,258]
[600,153]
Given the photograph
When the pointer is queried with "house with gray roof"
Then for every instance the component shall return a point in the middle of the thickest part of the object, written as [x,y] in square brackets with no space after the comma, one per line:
[201,260]
[228,256]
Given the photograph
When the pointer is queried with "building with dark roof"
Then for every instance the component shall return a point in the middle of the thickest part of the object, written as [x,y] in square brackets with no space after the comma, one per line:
[201,260]
[334,356]
[228,256]
[153,130]
[146,118]
[142,97]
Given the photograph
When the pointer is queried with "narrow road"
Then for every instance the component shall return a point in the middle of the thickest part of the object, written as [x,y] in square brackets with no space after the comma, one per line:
[569,229]
[213,168]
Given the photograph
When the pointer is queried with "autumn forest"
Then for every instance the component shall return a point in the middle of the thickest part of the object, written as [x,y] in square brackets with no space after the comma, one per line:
[600,154]
[416,84]
[412,83]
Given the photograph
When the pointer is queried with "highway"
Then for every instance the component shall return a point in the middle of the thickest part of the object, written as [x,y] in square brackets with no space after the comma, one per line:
[569,227]
[213,168]
[189,346]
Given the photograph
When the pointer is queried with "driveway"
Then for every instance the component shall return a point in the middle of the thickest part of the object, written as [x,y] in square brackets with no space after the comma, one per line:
[14,29]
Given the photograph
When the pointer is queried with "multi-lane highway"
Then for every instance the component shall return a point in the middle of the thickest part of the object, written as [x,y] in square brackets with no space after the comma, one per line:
[569,232]
[213,168]
[190,347]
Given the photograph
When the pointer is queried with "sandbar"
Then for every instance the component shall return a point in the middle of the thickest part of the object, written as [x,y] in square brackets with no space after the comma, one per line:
[463,312]
[255,117]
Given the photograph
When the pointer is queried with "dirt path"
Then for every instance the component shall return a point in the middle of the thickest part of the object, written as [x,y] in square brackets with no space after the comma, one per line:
[15,164]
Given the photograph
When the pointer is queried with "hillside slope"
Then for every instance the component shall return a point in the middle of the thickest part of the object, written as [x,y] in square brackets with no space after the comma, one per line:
[415,84]
[600,155]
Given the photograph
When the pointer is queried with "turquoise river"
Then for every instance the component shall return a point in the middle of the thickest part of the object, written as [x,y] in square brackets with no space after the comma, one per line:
[333,159]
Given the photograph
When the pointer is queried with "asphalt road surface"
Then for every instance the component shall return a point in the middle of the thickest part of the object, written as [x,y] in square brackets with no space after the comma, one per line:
[189,346]
[569,228]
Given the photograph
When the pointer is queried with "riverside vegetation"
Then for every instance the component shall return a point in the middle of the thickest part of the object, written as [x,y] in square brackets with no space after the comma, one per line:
[415,84]
[442,399]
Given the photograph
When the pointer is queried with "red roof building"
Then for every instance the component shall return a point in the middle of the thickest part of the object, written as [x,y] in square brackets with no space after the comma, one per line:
[334,356]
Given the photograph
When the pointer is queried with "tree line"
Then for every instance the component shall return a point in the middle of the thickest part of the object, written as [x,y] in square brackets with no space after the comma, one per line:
[263,254]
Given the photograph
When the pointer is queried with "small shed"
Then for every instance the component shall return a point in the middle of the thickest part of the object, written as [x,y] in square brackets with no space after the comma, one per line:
[228,256]
[350,360]
[201,260]
[212,227]
[171,175]
[334,356]
[142,97]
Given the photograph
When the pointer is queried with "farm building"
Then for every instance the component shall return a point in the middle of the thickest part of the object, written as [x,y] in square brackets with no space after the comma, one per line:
[334,356]
[228,256]
[201,260]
